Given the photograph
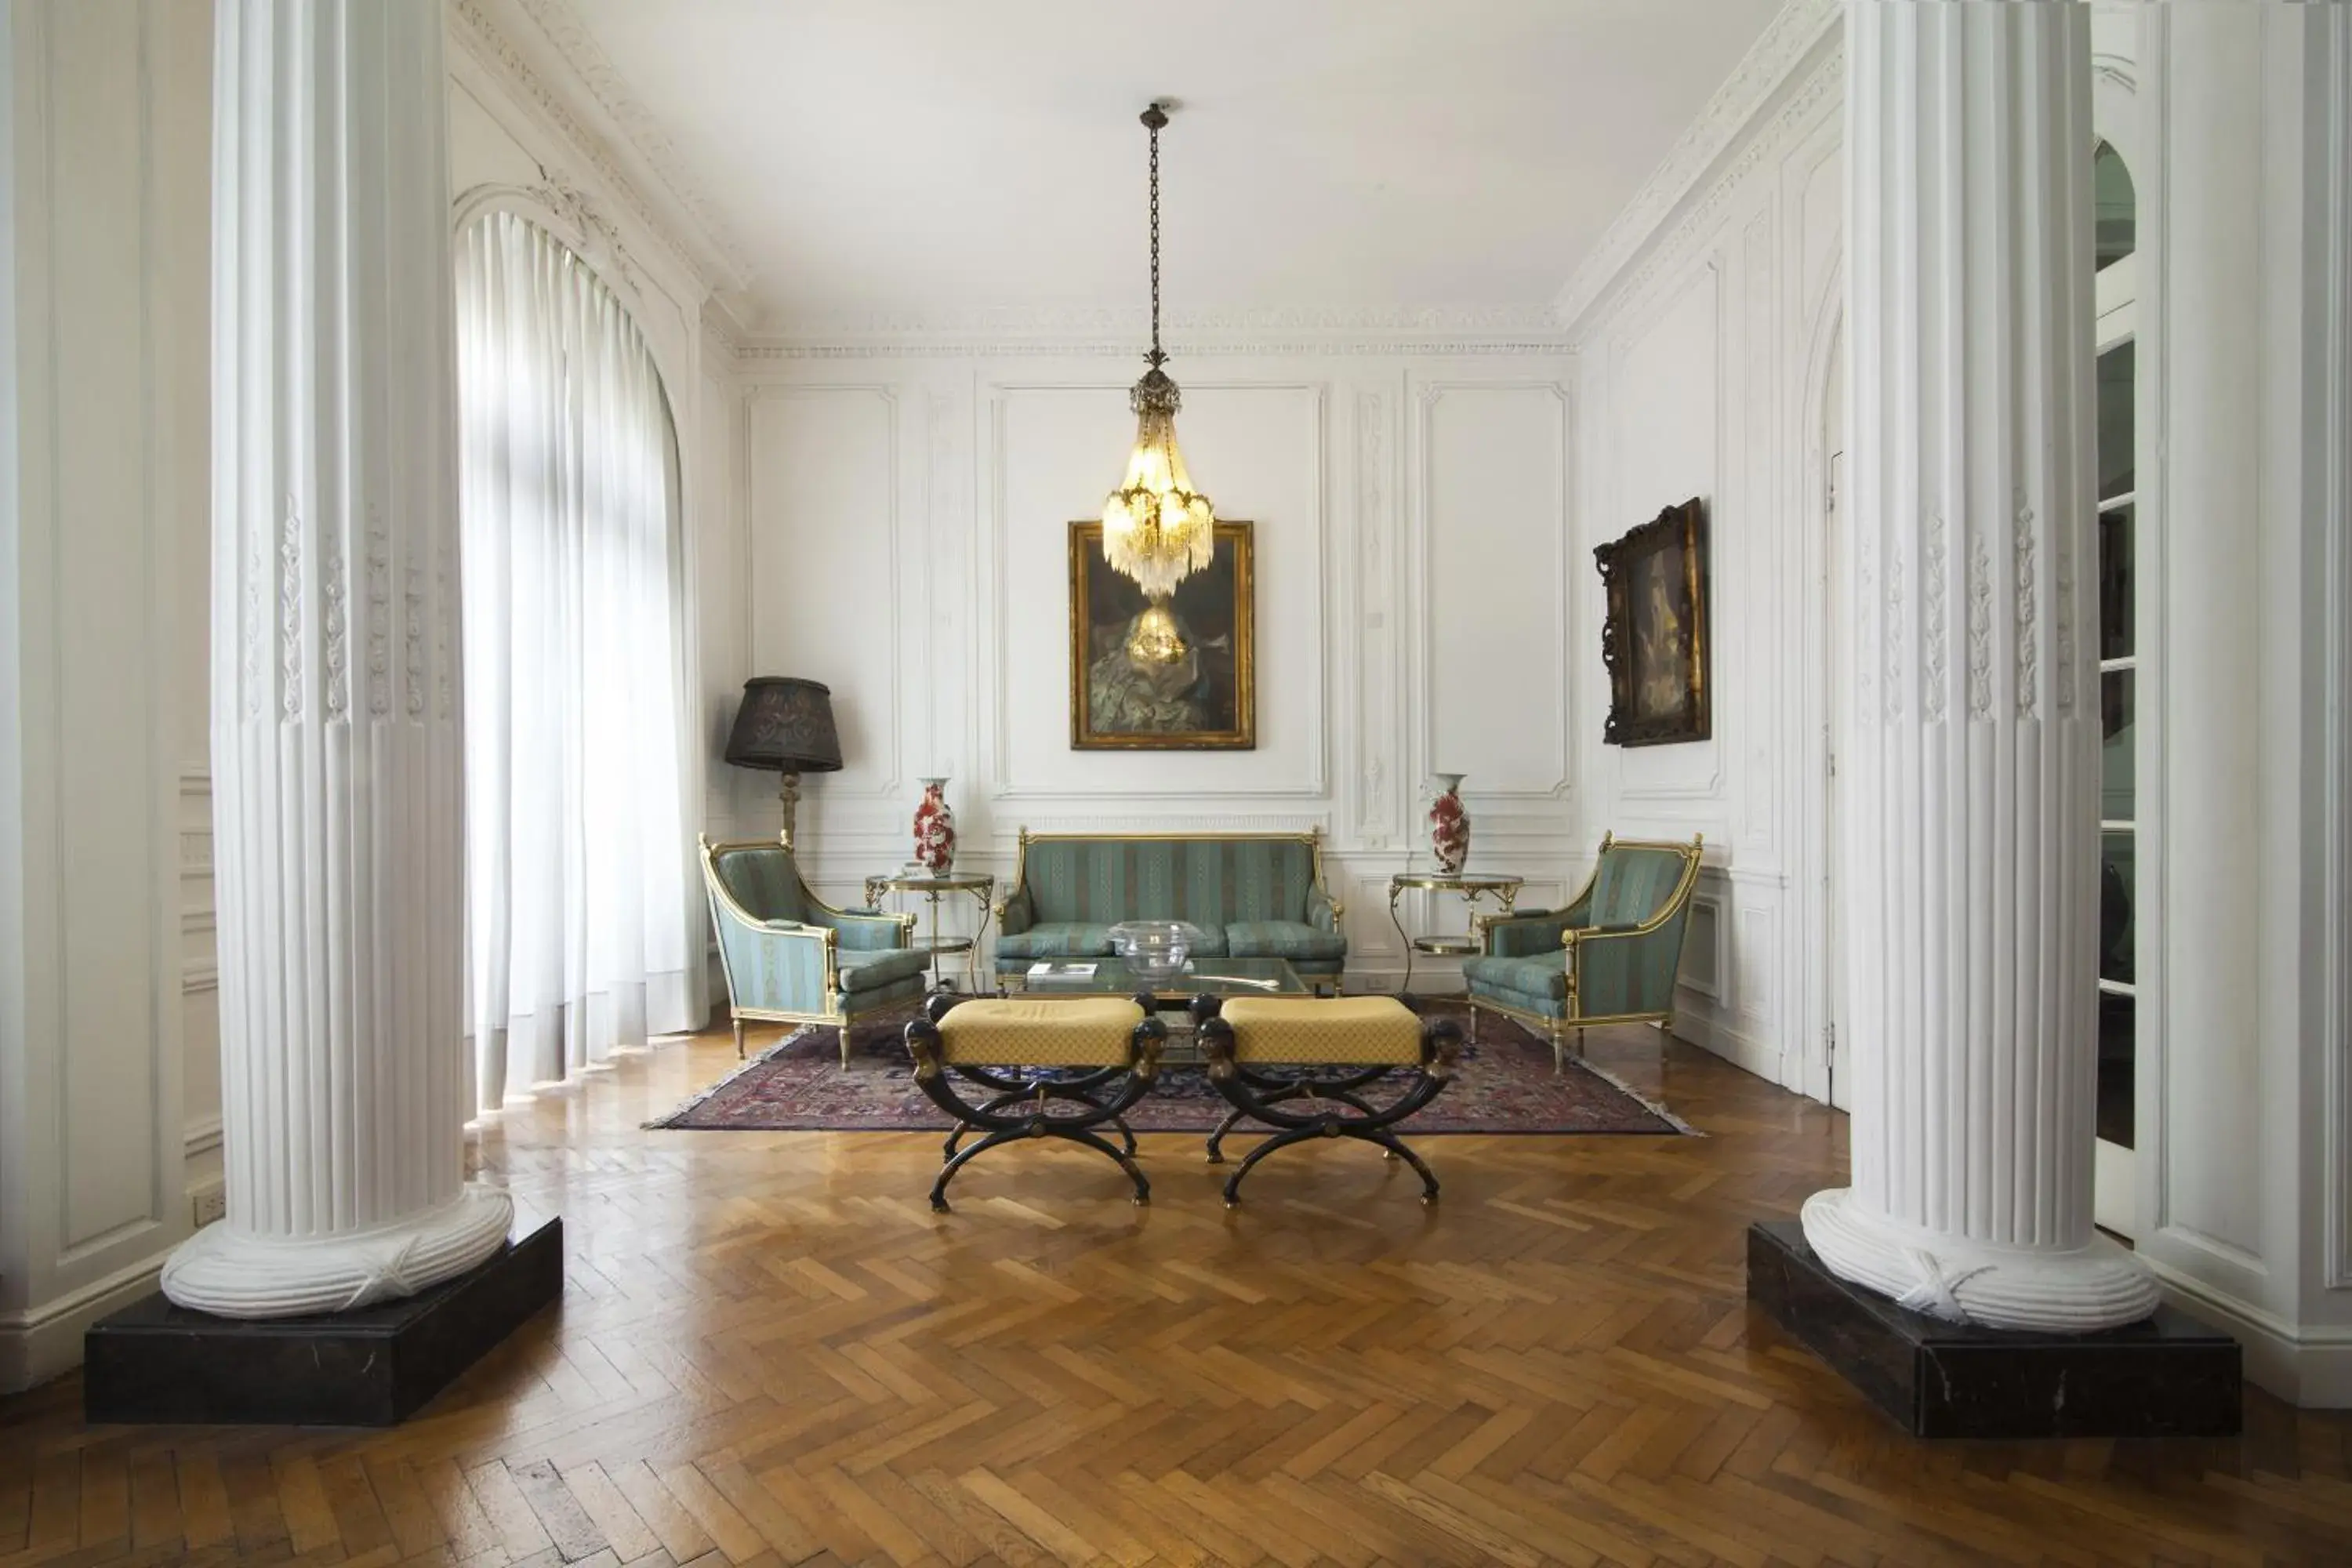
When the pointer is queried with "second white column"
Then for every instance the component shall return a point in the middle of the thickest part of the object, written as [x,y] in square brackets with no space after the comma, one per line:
[1969,776]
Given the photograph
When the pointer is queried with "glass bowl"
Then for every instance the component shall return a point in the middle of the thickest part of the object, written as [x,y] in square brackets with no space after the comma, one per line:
[1155,949]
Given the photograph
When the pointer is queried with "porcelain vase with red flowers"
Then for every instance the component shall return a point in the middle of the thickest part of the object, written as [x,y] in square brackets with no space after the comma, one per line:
[935,837]
[1449,826]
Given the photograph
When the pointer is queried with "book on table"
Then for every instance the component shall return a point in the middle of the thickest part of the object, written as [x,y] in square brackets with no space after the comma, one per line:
[1052,970]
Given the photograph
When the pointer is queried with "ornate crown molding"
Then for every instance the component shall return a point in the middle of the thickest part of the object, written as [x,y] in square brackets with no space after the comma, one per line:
[1793,33]
[474,27]
[1673,245]
[1122,332]
[638,127]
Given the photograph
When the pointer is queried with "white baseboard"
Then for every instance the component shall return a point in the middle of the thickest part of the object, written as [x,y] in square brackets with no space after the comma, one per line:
[45,1342]
[1741,1050]
[2309,1366]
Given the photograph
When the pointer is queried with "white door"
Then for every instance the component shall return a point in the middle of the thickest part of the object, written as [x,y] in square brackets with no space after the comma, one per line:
[1834,714]
[1832,735]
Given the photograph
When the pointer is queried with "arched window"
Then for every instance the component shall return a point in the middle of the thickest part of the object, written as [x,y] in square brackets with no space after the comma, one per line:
[2116,208]
[582,928]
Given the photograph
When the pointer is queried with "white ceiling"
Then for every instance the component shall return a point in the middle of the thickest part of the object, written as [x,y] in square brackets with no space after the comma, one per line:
[936,160]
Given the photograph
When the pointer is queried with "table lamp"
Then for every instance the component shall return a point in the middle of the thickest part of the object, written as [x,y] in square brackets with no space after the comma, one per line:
[785,726]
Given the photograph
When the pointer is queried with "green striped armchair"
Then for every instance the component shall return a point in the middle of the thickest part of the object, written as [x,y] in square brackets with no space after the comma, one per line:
[793,958]
[1253,895]
[1610,957]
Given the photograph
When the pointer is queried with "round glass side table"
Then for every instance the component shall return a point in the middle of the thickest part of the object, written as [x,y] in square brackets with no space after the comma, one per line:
[983,888]
[1503,889]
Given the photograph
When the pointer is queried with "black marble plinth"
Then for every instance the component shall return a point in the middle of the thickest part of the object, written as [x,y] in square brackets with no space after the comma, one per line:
[154,1361]
[2168,1377]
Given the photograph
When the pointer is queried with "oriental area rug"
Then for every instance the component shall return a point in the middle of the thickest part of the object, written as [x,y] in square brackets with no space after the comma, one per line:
[1504,1084]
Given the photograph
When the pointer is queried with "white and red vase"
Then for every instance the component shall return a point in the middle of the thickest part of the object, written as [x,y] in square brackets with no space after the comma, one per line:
[934,829]
[1449,826]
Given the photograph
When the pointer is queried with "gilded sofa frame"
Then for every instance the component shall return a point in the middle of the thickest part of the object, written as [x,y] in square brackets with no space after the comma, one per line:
[1312,838]
[828,939]
[1574,939]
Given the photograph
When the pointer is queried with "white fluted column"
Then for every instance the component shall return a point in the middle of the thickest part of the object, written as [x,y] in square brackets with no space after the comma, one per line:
[1969,776]
[336,781]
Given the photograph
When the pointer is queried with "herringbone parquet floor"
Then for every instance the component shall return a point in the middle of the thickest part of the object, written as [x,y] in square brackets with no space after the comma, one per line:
[771,1350]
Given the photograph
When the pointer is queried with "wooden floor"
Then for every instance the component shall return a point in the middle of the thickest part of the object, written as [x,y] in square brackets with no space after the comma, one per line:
[771,1351]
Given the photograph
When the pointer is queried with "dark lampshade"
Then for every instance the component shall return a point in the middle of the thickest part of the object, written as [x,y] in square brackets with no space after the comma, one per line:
[785,726]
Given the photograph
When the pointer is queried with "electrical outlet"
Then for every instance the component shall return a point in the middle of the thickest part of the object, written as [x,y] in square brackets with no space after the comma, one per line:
[209,1203]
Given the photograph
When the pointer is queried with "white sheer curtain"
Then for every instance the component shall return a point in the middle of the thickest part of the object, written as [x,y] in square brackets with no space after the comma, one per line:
[583,930]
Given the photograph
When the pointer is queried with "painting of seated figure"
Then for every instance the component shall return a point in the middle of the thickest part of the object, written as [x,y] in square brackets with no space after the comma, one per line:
[1172,674]
[1654,637]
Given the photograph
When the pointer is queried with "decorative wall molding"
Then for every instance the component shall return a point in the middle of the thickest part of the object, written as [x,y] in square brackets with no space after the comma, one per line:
[204,1135]
[1316,784]
[1761,73]
[565,211]
[473,26]
[641,130]
[1121,332]
[2333,524]
[1377,773]
[1823,85]
[1707,949]
[1428,395]
[893,784]
[1628,331]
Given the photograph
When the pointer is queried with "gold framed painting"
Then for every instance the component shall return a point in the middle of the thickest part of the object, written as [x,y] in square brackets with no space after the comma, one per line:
[1177,677]
[1653,640]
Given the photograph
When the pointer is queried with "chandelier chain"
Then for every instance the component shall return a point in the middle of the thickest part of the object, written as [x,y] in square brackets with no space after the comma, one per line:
[1157,356]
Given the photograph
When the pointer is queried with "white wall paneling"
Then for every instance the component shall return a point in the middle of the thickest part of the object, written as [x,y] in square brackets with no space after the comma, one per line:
[1490,594]
[2243,156]
[904,526]
[105,146]
[1704,361]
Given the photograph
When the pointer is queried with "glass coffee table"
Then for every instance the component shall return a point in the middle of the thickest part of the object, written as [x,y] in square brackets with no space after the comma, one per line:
[1199,977]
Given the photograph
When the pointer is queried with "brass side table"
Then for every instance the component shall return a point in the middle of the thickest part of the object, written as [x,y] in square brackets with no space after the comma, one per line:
[983,888]
[1503,889]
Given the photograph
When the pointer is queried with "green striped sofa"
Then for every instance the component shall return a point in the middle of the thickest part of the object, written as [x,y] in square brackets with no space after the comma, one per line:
[1253,895]
[1610,957]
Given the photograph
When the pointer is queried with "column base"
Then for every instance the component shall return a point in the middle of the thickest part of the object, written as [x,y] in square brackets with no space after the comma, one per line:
[2100,1286]
[236,1274]
[2167,1376]
[154,1361]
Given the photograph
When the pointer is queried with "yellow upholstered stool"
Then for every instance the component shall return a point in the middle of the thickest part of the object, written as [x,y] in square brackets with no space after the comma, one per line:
[1365,1038]
[1053,1070]
[1352,1031]
[1002,1031]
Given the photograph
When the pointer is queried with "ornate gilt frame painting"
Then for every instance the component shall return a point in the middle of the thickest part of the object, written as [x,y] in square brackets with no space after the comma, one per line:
[1133,687]
[1654,641]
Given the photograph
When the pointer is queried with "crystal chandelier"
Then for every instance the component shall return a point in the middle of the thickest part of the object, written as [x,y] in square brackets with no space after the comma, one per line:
[1157,528]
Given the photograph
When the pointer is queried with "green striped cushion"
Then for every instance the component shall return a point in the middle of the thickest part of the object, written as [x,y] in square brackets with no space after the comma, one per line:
[1212,882]
[1283,938]
[1538,974]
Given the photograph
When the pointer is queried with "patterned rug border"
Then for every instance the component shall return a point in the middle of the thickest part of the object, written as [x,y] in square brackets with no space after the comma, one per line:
[687,1107]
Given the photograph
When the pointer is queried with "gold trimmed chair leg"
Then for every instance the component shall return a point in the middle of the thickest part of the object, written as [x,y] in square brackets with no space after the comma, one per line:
[738,1039]
[844,1044]
[1558,1062]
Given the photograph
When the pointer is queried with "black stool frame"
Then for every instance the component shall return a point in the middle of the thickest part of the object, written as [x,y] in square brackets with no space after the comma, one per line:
[1039,1088]
[1342,1109]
